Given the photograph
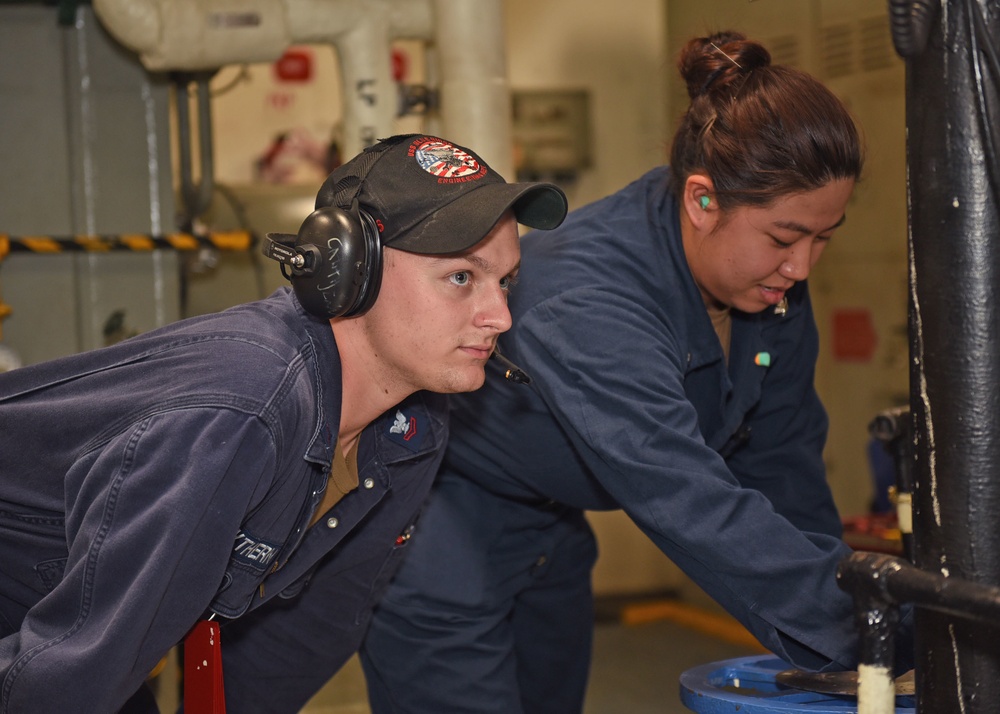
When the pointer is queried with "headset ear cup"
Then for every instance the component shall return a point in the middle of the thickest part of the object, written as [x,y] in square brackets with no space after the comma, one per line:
[343,259]
[372,266]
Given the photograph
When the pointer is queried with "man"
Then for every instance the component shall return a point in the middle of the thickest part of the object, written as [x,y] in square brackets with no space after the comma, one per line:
[279,448]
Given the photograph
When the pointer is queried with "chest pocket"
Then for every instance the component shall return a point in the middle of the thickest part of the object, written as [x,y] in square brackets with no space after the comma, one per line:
[256,554]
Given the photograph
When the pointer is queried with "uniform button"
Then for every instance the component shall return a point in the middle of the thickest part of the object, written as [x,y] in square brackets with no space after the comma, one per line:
[369,482]
[332,522]
[542,560]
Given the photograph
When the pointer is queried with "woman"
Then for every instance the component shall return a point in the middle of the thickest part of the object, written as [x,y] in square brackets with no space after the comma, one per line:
[671,344]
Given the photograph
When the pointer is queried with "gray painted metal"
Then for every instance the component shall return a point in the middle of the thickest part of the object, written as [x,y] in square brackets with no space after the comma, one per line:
[85,149]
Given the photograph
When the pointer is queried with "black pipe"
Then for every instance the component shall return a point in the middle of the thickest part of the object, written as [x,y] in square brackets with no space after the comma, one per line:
[952,116]
[893,428]
[875,611]
[910,21]
[887,582]
[880,584]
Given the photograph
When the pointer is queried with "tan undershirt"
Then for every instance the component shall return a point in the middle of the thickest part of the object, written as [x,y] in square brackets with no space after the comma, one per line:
[343,479]
[722,321]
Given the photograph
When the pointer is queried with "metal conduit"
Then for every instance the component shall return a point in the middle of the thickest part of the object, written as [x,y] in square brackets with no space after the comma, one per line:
[196,195]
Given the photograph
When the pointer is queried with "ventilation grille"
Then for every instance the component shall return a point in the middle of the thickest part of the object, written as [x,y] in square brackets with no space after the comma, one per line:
[856,47]
[837,51]
[841,50]
[875,40]
[785,50]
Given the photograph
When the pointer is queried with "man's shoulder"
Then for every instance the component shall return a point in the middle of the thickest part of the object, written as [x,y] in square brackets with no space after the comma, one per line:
[251,334]
[250,353]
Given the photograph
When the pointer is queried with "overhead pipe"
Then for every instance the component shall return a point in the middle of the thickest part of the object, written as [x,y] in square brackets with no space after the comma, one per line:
[198,35]
[362,32]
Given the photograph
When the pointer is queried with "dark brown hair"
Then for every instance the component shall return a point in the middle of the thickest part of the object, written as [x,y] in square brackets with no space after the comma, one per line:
[760,131]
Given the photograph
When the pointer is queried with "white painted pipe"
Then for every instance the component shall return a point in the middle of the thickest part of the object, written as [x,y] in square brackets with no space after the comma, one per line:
[192,35]
[362,32]
[474,90]
[320,21]
[468,36]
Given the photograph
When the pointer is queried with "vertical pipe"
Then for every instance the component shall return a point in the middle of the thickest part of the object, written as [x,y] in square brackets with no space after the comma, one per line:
[370,95]
[195,195]
[893,429]
[475,94]
[82,129]
[362,32]
[952,112]
[864,576]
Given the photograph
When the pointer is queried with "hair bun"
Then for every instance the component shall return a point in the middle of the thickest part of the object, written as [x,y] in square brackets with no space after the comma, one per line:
[714,63]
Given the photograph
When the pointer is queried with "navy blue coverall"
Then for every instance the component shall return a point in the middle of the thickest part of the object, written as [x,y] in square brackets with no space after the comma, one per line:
[173,475]
[631,406]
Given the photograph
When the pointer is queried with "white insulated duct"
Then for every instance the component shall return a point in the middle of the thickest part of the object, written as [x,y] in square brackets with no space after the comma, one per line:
[362,32]
[192,35]
[474,92]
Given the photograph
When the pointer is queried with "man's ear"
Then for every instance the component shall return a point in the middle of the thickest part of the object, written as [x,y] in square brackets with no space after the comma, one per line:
[699,202]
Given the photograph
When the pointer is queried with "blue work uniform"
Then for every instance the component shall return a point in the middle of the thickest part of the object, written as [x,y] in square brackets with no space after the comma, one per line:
[173,476]
[632,405]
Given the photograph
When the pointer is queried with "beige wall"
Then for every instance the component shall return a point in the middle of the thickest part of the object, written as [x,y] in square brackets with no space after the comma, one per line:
[615,51]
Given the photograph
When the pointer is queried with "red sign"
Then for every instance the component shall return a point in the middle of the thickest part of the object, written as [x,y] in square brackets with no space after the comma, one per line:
[400,65]
[296,65]
[854,336]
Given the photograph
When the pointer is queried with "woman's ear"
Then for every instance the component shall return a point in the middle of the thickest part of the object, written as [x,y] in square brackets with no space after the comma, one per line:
[699,202]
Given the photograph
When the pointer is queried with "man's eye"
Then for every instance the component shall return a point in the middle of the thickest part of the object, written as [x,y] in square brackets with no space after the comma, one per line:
[505,283]
[461,278]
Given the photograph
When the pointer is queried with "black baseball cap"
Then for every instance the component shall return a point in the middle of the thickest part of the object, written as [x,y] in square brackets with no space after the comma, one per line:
[429,195]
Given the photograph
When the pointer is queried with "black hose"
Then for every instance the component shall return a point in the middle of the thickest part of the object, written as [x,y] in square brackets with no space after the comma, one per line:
[910,22]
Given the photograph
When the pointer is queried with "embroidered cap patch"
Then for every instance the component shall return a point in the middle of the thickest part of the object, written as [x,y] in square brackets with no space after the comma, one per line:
[449,163]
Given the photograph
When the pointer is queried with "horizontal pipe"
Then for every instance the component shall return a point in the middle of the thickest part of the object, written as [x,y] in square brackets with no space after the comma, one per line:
[895,581]
[880,584]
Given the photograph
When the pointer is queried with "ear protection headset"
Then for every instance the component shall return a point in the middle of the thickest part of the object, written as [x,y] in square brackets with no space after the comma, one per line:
[334,262]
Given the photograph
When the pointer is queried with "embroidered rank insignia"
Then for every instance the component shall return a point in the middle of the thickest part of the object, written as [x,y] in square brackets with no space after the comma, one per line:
[406,431]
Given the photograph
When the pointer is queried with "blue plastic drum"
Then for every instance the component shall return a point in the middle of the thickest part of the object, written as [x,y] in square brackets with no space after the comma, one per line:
[747,685]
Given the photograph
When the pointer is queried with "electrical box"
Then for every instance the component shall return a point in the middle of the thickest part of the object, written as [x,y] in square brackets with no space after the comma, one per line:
[551,133]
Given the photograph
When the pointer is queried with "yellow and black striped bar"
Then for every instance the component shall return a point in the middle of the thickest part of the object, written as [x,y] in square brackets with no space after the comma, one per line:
[220,240]
[5,310]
